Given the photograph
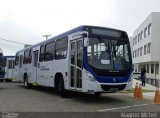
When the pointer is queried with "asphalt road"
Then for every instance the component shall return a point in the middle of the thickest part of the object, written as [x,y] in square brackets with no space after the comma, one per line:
[15,98]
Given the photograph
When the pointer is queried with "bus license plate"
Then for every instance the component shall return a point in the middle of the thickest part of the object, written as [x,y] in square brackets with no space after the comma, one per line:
[113,89]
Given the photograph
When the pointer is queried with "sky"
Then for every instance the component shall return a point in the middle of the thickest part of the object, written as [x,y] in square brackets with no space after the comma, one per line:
[25,21]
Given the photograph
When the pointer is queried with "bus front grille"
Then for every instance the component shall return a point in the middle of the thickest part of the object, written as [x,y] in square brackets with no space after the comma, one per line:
[109,87]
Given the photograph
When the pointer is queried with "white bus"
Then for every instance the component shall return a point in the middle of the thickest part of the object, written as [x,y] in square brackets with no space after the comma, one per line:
[9,68]
[87,59]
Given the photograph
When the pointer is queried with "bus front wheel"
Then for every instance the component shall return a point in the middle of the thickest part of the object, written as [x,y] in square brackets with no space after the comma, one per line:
[97,94]
[61,89]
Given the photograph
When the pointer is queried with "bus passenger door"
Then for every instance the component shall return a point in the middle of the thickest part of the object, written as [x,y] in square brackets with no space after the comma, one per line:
[76,64]
[35,64]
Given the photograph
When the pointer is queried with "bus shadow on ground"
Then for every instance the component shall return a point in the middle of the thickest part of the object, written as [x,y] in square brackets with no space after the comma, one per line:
[48,90]
[81,97]
[92,99]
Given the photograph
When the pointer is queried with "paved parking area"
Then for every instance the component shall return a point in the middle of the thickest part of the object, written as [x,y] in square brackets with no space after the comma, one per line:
[15,98]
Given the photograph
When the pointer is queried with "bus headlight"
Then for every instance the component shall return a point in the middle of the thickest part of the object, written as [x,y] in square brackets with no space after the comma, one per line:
[90,76]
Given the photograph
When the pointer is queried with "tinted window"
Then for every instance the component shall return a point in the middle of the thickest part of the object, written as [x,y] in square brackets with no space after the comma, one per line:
[61,48]
[79,53]
[17,59]
[27,57]
[49,51]
[41,57]
[20,61]
[73,52]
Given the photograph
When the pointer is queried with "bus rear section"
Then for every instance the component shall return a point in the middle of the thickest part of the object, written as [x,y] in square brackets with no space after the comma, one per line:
[18,71]
[9,68]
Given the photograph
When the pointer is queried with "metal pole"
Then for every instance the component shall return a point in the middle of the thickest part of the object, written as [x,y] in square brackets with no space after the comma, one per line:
[46,36]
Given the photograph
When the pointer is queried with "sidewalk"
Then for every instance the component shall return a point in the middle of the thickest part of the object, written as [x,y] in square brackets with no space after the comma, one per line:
[149,95]
[147,87]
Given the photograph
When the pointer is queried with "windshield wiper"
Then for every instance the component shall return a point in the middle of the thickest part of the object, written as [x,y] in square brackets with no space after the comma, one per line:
[108,46]
[109,51]
[114,51]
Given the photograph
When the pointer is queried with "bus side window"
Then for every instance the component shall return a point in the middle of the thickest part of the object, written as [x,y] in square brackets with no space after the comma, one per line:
[30,56]
[26,58]
[13,64]
[61,48]
[41,56]
[79,53]
[49,51]
[16,60]
[20,61]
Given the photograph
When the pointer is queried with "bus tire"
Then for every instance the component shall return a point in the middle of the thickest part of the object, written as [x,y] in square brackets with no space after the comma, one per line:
[97,94]
[1,80]
[57,85]
[61,89]
[26,84]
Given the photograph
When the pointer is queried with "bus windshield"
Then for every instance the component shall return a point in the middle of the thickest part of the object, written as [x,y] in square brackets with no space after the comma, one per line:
[112,54]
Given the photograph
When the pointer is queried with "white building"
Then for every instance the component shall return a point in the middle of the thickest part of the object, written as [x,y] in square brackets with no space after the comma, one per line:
[131,43]
[146,47]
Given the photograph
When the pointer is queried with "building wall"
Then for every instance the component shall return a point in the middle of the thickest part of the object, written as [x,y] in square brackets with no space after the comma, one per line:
[143,41]
[146,48]
[131,44]
[155,47]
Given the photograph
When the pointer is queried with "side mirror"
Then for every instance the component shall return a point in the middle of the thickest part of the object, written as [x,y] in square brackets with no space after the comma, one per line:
[85,41]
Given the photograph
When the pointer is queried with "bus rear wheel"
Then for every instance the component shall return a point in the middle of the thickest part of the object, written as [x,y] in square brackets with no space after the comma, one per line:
[26,84]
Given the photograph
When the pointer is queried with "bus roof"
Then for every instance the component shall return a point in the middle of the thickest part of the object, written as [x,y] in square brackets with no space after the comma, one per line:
[77,29]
